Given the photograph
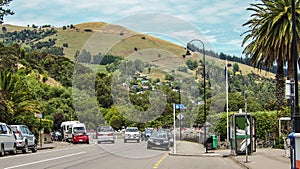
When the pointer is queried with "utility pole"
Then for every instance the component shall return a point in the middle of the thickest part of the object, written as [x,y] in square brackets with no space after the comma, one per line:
[246,126]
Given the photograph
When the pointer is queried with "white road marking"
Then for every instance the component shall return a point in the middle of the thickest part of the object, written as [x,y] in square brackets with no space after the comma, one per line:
[45,151]
[50,159]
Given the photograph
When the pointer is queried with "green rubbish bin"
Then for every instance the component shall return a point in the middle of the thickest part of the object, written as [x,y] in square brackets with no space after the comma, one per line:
[215,141]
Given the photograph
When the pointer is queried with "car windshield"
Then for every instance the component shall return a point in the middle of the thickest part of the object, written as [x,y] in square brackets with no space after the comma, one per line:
[159,135]
[131,130]
[105,129]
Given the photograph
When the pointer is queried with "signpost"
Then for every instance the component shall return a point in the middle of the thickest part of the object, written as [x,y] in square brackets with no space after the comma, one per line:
[174,129]
[41,116]
[179,106]
[179,116]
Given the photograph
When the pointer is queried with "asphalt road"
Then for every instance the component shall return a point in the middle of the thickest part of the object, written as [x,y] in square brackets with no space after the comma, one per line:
[111,156]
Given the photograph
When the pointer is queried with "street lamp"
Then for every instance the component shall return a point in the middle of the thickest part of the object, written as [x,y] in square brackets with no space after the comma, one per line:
[204,83]
[295,116]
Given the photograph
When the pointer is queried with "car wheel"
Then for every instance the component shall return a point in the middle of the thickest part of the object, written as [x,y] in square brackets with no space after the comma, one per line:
[148,147]
[2,152]
[14,151]
[138,140]
[113,141]
[88,142]
[125,141]
[25,149]
[34,148]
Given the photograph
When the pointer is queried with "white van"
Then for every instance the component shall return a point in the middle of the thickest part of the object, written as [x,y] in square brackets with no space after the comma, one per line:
[65,126]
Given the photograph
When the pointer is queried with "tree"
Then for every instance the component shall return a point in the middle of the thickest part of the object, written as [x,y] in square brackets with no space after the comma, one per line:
[270,30]
[4,11]
[192,64]
[236,67]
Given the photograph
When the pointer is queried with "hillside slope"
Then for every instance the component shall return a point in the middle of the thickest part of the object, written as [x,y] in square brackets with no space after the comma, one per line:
[99,37]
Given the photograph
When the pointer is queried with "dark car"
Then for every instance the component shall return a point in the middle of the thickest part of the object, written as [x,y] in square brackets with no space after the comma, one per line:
[170,135]
[159,140]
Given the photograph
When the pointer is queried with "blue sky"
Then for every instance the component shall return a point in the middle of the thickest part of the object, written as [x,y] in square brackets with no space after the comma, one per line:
[217,23]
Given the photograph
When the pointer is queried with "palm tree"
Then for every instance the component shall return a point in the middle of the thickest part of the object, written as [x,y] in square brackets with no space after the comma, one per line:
[270,36]
[7,82]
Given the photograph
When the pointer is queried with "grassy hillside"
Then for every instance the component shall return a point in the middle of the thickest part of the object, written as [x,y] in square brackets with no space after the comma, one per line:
[99,37]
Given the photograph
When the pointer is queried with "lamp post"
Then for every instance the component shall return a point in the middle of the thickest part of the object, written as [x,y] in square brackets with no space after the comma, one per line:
[295,116]
[246,126]
[204,83]
[294,53]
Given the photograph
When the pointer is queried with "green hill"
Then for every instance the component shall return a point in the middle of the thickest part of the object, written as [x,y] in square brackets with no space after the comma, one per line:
[119,41]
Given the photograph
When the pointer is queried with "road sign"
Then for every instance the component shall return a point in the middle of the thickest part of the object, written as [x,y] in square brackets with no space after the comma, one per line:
[179,106]
[180,116]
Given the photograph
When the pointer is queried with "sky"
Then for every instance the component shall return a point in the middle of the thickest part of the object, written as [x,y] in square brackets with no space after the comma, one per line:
[218,24]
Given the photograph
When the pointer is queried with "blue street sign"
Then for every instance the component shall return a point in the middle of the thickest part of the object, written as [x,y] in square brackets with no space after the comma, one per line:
[179,106]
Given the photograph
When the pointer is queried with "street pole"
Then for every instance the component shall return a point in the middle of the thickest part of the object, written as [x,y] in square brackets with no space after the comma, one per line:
[204,86]
[174,129]
[41,140]
[227,119]
[246,126]
[180,138]
[295,118]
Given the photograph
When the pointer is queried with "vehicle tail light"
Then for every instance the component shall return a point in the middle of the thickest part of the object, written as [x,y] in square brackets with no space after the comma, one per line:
[100,134]
[110,134]
[19,134]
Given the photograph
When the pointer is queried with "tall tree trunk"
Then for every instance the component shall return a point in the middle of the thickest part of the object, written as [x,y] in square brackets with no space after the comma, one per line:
[280,86]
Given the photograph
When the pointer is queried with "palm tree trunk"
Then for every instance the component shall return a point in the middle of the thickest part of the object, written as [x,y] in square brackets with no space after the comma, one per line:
[280,86]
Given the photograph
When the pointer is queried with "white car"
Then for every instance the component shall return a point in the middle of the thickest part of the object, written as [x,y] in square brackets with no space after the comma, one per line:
[132,133]
[105,134]
[7,140]
[25,138]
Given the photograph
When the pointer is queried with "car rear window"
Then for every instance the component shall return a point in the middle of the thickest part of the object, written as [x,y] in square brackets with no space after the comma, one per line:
[105,129]
[78,129]
[132,130]
[14,128]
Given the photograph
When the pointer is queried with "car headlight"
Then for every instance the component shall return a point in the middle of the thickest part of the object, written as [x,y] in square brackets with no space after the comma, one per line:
[151,140]
[166,141]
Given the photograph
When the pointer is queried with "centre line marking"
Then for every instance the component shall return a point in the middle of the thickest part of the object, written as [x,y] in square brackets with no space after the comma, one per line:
[160,161]
[50,159]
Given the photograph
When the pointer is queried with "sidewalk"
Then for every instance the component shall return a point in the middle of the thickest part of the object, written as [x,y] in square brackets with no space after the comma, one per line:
[55,144]
[262,158]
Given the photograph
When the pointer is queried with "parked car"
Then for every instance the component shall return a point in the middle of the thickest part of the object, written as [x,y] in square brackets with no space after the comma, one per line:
[57,136]
[7,140]
[79,134]
[132,133]
[159,140]
[105,134]
[25,138]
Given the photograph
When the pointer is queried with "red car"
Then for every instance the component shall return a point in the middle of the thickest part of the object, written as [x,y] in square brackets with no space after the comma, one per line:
[81,137]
